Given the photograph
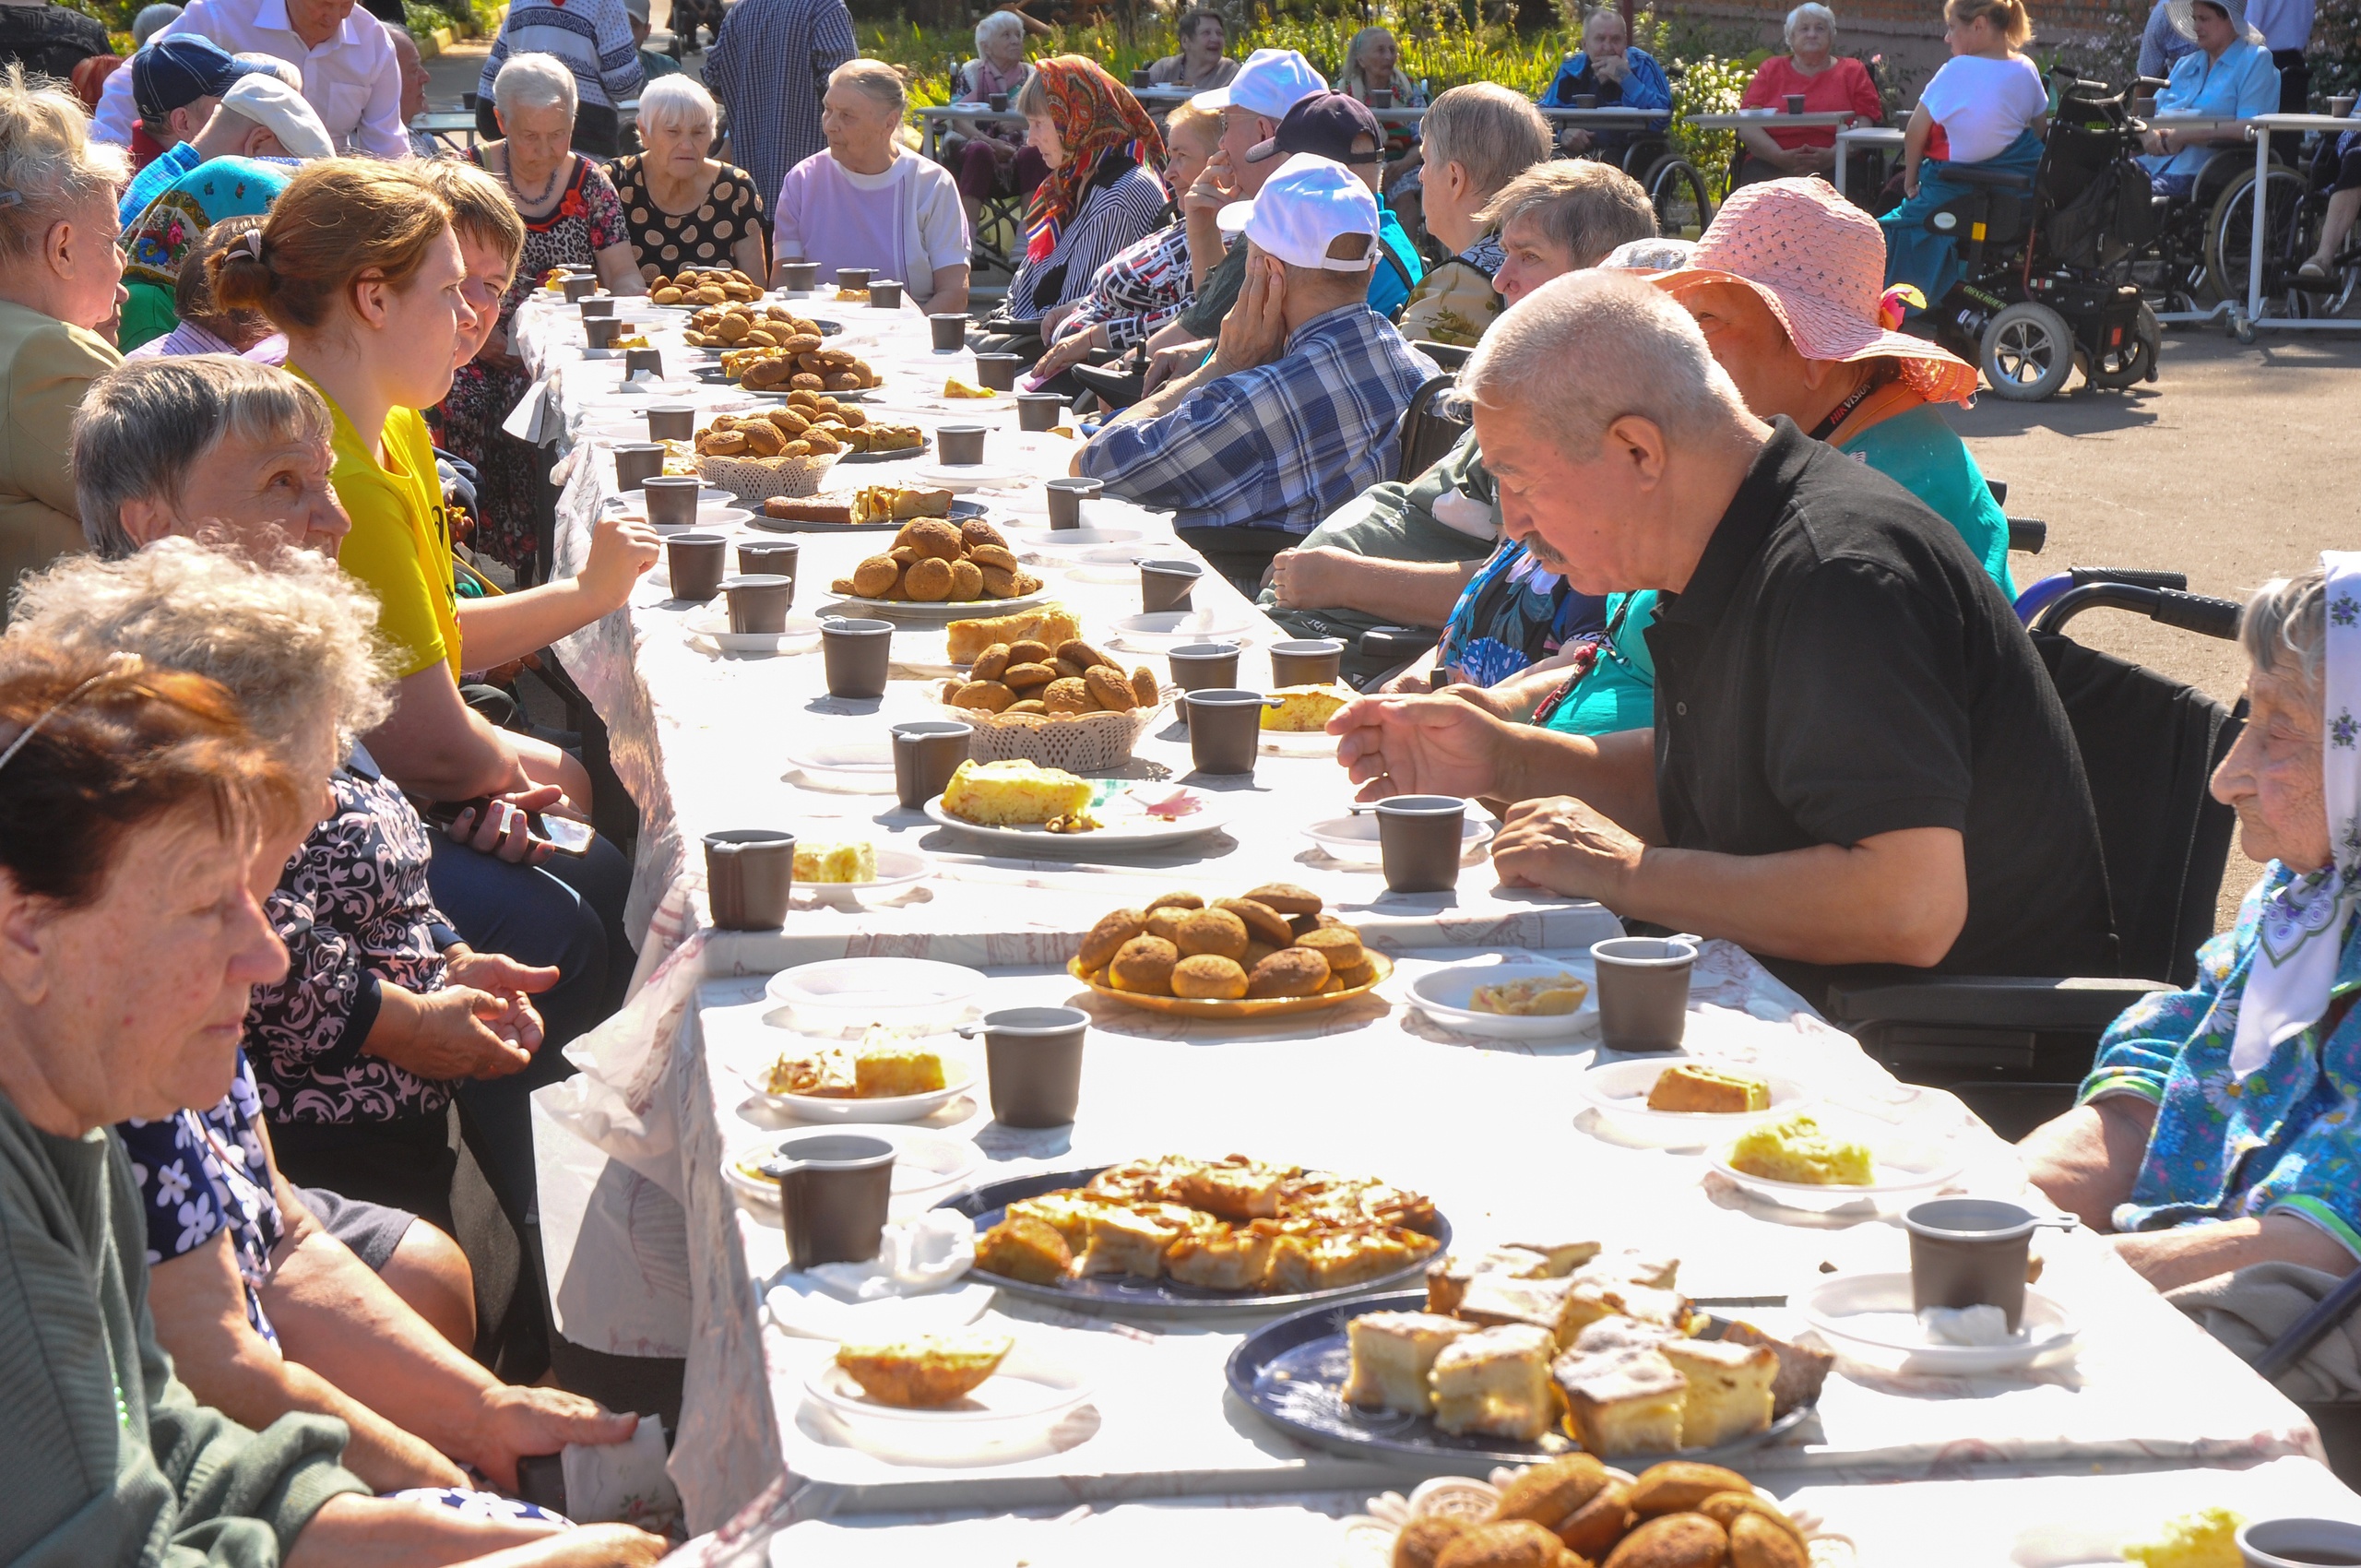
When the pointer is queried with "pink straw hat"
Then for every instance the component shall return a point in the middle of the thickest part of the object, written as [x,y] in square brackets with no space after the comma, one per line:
[1819,262]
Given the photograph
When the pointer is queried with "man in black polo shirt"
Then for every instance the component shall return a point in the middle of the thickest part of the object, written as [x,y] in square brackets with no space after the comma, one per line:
[1857,756]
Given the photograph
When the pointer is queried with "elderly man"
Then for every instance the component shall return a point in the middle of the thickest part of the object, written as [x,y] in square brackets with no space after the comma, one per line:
[1618,76]
[769,65]
[414,80]
[1857,756]
[1296,411]
[351,77]
[257,116]
[174,86]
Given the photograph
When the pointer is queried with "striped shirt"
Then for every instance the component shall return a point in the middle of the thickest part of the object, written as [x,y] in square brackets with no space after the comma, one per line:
[1122,206]
[769,65]
[1280,446]
[593,37]
[1139,290]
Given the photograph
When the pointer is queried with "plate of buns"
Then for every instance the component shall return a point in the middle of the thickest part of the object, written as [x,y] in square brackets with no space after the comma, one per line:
[1178,1235]
[1275,950]
[1685,1102]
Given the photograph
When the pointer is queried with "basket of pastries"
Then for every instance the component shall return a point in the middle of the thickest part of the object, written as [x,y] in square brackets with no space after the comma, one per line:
[1577,1511]
[1275,950]
[704,286]
[786,450]
[935,560]
[1061,705]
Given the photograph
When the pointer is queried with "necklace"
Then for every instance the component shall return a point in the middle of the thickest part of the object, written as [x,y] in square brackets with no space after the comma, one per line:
[531,203]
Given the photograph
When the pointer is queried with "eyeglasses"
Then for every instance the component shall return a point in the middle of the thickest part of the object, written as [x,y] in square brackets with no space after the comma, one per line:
[118,666]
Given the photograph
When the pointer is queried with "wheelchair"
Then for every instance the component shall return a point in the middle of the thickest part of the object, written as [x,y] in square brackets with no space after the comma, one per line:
[2296,205]
[2046,287]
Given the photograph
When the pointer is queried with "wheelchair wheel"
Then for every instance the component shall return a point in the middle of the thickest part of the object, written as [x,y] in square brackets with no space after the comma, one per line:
[2229,233]
[2134,362]
[2028,352]
[1678,192]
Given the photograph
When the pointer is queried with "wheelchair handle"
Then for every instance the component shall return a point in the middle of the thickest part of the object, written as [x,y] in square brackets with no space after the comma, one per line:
[2189,611]
[2198,612]
[2138,577]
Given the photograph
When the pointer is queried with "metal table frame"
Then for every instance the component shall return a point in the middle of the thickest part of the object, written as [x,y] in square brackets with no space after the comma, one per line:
[2198,123]
[2243,322]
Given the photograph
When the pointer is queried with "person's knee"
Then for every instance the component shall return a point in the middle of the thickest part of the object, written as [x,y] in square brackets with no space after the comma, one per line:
[430,1273]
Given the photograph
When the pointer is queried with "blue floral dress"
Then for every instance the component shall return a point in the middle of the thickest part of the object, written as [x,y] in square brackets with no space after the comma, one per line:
[2286,1140]
[201,1172]
[1514,613]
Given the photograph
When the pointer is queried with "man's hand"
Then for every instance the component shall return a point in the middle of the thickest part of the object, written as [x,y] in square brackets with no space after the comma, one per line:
[1255,331]
[516,1421]
[496,973]
[1417,745]
[1069,351]
[621,550]
[1210,191]
[1562,845]
[1574,140]
[1173,361]
[504,828]
[1313,579]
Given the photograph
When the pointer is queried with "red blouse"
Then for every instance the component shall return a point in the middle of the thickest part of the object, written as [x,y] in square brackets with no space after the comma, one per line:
[1844,87]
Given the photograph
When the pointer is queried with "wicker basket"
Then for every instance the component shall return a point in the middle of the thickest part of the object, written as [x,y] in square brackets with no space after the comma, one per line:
[1087,744]
[759,479]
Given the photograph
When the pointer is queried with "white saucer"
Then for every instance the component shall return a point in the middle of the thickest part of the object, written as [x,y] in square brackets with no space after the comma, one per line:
[1617,1092]
[1155,633]
[1444,995]
[959,478]
[858,767]
[924,1162]
[854,993]
[1017,1405]
[1871,1312]
[1904,1172]
[896,869]
[803,635]
[1352,839]
[958,1077]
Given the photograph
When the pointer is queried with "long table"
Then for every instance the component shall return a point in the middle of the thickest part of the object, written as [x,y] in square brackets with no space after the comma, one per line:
[1494,1131]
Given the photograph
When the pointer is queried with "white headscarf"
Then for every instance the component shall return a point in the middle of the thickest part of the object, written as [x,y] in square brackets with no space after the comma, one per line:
[2302,929]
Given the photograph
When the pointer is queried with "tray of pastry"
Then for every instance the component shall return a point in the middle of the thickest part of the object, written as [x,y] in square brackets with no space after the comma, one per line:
[1179,1237]
[1522,1353]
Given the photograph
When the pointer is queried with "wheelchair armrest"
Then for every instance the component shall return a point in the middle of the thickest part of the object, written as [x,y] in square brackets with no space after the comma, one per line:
[1991,179]
[1999,1002]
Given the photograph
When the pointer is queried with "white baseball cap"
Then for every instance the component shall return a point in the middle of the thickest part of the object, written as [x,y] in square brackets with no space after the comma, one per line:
[1271,82]
[271,103]
[1302,208]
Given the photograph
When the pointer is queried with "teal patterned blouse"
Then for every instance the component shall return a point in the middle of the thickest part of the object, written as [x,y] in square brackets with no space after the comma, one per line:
[2288,1139]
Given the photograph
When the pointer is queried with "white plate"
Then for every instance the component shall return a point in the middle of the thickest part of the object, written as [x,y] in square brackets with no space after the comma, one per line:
[959,478]
[804,1308]
[709,519]
[1352,839]
[958,1077]
[1904,1172]
[1618,1091]
[854,993]
[707,496]
[923,1162]
[1444,995]
[801,635]
[1060,539]
[895,869]
[1018,1405]
[1168,628]
[1126,823]
[920,610]
[864,765]
[1872,1312]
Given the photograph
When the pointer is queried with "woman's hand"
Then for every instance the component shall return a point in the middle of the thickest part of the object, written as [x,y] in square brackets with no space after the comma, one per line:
[496,973]
[1910,180]
[504,828]
[516,1421]
[1067,352]
[622,550]
[457,1032]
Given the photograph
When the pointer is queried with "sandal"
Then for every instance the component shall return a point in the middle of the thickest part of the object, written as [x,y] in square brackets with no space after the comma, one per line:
[2312,272]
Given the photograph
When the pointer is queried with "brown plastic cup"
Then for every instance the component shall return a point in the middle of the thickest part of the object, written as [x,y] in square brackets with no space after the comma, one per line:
[926,753]
[593,309]
[1225,727]
[672,422]
[648,359]
[997,372]
[1165,584]
[1795,103]
[1585,100]
[1140,77]
[599,331]
[1307,661]
[578,288]
[799,277]
[857,655]
[773,557]
[1381,98]
[854,276]
[1039,411]
[885,294]
[1642,992]
[997,102]
[834,1191]
[2339,106]
[1034,1058]
[1970,1253]
[960,446]
[1202,667]
[1418,841]
[635,460]
[1065,498]
[671,499]
[749,872]
[950,331]
[697,562]
[758,601]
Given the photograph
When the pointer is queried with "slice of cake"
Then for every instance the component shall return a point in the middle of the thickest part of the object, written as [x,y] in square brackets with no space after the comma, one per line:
[1654,1270]
[1021,1247]
[1566,1253]
[1625,1402]
[925,1372]
[1535,996]
[1128,1240]
[1495,1383]
[1800,1151]
[1391,1355]
[1729,1388]
[829,863]
[1495,1299]
[903,1067]
[1223,1258]
[1012,791]
[1591,1300]
[1609,1334]
[1234,1188]
[1333,1259]
[1305,711]
[1069,1213]
[1802,1370]
[1695,1087]
[1447,1277]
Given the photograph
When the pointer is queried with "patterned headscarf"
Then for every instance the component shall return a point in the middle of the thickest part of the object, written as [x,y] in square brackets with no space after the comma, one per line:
[1094,114]
[184,211]
[2302,928]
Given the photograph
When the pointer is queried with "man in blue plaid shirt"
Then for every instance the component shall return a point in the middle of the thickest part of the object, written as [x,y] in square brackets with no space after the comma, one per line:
[1296,413]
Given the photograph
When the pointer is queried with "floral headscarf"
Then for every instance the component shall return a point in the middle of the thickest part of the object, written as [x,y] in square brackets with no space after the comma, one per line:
[173,223]
[2302,925]
[1094,114]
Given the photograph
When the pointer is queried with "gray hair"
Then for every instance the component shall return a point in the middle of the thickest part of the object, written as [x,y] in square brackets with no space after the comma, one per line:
[2286,623]
[151,20]
[878,79]
[1584,207]
[293,641]
[49,165]
[673,101]
[1548,352]
[1605,14]
[996,25]
[1492,132]
[535,81]
[284,70]
[1809,8]
[1664,253]
[146,424]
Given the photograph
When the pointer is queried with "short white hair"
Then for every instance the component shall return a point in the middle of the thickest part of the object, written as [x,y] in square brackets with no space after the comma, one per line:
[151,20]
[1552,352]
[534,82]
[2284,629]
[1809,8]
[878,79]
[997,25]
[670,102]
[1605,14]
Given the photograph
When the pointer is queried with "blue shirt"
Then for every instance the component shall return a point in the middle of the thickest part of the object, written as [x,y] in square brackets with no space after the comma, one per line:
[1389,289]
[2243,82]
[1280,446]
[1644,87]
[149,182]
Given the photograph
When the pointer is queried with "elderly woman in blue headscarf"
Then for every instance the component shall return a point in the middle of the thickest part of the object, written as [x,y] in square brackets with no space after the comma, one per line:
[2221,1125]
[2229,73]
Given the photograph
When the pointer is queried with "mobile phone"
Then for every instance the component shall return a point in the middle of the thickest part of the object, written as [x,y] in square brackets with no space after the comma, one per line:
[562,834]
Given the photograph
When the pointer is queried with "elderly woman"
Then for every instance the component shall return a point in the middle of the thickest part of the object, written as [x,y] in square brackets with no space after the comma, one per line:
[2216,1128]
[1607,69]
[135,808]
[1479,138]
[572,218]
[1200,66]
[200,325]
[991,156]
[2229,73]
[867,200]
[1829,83]
[60,286]
[158,240]
[1373,65]
[1103,194]
[682,207]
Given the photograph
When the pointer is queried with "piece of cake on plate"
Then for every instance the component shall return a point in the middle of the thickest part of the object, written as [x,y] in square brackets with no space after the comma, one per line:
[1693,1088]
[1393,1354]
[1222,1258]
[1729,1388]
[1623,1402]
[1495,1383]
[1566,1253]
[1495,1299]
[891,1068]
[1448,1278]
[1591,1300]
[1013,792]
[1657,1271]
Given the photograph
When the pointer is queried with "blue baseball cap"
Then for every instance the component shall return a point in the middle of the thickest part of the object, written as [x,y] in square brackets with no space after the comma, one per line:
[174,72]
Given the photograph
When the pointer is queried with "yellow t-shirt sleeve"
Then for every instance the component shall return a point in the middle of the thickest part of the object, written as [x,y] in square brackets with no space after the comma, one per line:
[381,551]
